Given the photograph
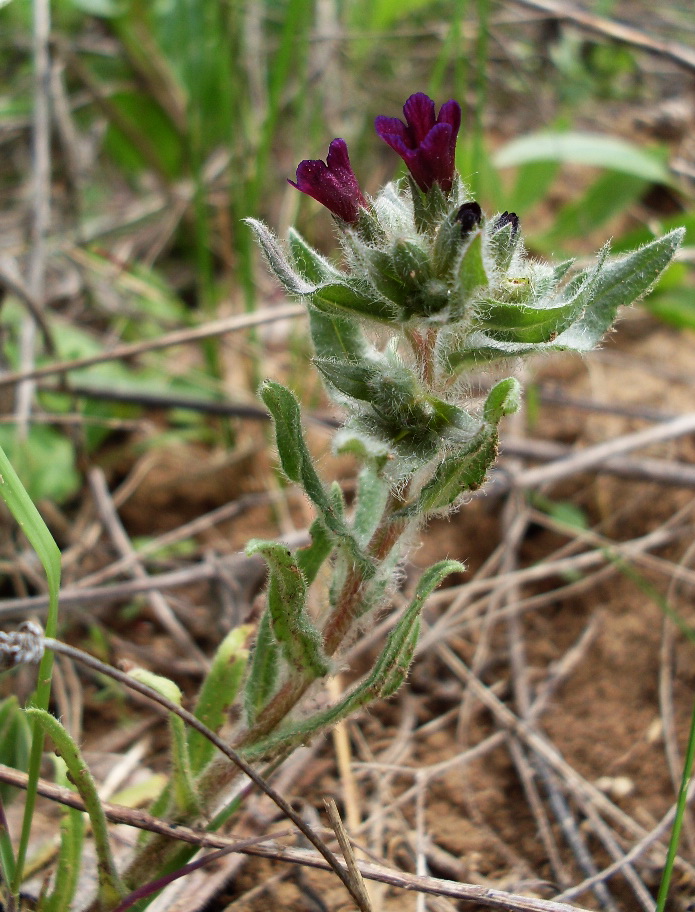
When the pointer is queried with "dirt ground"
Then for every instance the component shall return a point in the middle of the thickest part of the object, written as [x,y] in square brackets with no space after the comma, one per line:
[619,680]
[438,780]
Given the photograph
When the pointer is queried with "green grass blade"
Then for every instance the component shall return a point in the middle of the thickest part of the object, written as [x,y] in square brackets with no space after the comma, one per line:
[30,521]
[72,830]
[591,149]
[7,860]
[681,804]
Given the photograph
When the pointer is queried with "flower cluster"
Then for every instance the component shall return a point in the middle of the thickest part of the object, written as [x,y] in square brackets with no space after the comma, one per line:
[425,142]
[454,287]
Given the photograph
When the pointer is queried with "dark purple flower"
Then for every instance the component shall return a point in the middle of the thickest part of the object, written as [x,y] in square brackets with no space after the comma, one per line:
[332,183]
[426,144]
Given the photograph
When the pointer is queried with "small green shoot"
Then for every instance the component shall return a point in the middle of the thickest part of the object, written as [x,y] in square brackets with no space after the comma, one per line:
[32,525]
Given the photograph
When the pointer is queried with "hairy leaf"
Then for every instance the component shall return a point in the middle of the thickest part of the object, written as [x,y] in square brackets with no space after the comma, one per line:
[298,638]
[265,668]
[298,465]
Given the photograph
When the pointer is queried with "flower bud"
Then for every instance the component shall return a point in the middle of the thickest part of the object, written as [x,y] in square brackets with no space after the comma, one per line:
[332,183]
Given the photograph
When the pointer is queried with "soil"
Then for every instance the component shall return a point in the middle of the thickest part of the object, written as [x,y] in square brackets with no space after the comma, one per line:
[471,820]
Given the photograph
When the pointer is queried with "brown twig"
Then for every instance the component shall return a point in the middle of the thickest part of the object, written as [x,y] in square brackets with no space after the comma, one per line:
[178,337]
[662,471]
[151,694]
[159,605]
[590,456]
[485,896]
[41,202]
[626,34]
[547,751]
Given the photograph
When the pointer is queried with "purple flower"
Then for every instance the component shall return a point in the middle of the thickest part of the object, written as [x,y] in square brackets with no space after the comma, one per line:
[426,144]
[332,183]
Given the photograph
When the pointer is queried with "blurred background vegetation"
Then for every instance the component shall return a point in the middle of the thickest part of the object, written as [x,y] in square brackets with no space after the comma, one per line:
[137,134]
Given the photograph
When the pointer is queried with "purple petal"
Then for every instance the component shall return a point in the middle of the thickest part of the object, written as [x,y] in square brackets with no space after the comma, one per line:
[427,144]
[437,156]
[419,115]
[450,112]
[394,132]
[338,157]
[333,183]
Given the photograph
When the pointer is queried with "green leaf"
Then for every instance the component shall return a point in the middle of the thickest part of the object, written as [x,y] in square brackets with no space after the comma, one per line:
[110,889]
[336,337]
[372,495]
[617,284]
[533,181]
[610,195]
[512,321]
[503,399]
[400,646]
[298,466]
[309,262]
[46,460]
[361,444]
[278,261]
[471,274]
[347,297]
[384,274]
[502,242]
[397,674]
[600,291]
[584,149]
[429,208]
[448,244]
[219,692]
[265,668]
[311,558]
[295,632]
[386,676]
[350,378]
[69,864]
[411,263]
[460,472]
[183,789]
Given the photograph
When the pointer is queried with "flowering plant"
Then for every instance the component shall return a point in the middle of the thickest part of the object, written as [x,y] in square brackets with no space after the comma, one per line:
[429,288]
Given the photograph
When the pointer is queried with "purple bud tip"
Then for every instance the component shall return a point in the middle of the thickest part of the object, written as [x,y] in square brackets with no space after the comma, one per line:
[470,215]
[425,142]
[507,218]
[332,183]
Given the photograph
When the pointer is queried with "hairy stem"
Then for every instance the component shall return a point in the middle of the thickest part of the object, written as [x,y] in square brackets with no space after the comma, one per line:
[219,776]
